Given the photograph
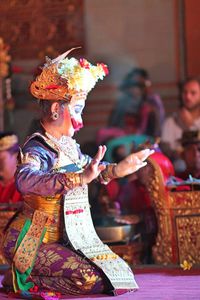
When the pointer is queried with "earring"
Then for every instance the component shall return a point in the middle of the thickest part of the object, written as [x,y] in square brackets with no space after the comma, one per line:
[55,115]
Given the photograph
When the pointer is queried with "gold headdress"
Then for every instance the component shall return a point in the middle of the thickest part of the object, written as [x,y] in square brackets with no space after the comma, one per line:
[8,142]
[63,77]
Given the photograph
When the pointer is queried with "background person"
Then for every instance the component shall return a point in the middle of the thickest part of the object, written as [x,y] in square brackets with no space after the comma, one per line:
[9,149]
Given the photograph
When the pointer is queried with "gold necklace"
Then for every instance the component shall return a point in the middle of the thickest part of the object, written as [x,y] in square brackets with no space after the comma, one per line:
[66,145]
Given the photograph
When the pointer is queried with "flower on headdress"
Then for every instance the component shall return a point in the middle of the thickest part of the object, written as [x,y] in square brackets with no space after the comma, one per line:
[105,68]
[84,63]
[81,75]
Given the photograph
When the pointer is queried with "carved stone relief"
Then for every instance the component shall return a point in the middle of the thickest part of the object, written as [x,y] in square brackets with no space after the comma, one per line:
[30,26]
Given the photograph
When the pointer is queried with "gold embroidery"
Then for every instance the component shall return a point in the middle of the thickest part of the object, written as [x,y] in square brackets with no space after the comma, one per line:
[105,256]
[52,207]
[71,263]
[73,180]
[26,251]
[48,257]
[88,277]
[57,274]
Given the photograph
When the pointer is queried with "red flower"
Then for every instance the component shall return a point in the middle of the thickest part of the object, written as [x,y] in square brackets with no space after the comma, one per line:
[105,68]
[84,63]
[36,288]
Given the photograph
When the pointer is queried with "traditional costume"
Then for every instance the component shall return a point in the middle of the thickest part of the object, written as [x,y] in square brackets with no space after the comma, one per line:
[52,244]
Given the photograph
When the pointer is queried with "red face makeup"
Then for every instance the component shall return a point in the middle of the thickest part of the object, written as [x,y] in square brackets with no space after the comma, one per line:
[77,125]
[76,107]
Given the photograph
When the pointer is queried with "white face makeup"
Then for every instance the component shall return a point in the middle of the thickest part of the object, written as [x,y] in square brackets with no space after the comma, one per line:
[76,107]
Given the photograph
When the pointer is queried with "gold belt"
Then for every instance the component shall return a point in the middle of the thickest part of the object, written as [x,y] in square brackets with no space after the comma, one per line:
[53,208]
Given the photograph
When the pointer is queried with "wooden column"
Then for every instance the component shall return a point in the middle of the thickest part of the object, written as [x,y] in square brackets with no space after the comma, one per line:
[192,37]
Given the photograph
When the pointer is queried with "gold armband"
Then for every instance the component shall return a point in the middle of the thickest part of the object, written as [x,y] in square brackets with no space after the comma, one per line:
[109,173]
[73,180]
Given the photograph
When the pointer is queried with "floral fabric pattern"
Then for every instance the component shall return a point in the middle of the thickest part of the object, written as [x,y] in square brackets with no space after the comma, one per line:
[60,269]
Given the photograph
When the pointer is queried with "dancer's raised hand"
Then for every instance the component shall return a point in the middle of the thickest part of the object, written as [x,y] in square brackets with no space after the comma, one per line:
[94,168]
[132,163]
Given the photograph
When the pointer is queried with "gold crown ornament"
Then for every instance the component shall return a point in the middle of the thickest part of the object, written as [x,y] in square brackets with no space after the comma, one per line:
[63,77]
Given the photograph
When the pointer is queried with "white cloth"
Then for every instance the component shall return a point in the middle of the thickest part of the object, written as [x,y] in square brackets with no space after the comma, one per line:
[172,131]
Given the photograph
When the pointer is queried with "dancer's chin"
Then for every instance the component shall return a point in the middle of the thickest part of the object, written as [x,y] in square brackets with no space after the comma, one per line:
[76,125]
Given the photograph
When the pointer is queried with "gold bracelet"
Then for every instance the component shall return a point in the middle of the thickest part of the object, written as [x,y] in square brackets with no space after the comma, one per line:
[81,178]
[109,173]
[73,179]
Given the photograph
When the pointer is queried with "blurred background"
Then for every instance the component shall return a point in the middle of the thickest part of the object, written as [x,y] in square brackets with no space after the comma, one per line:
[160,36]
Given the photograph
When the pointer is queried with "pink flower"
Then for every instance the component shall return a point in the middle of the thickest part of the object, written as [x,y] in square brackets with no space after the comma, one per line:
[84,63]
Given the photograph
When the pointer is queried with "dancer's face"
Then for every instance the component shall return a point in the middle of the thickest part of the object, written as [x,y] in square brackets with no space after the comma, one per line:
[76,107]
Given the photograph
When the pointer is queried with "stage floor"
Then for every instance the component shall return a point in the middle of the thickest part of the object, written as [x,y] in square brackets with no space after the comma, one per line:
[155,283]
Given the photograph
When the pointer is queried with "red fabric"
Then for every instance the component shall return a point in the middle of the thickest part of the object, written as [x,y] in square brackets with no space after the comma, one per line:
[164,163]
[112,189]
[9,194]
[134,197]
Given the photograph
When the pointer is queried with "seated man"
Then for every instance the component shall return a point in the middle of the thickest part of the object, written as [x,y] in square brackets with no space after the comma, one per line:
[9,148]
[185,119]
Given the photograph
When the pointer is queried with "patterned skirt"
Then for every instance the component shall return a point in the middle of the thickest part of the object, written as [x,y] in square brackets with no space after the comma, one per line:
[58,268]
